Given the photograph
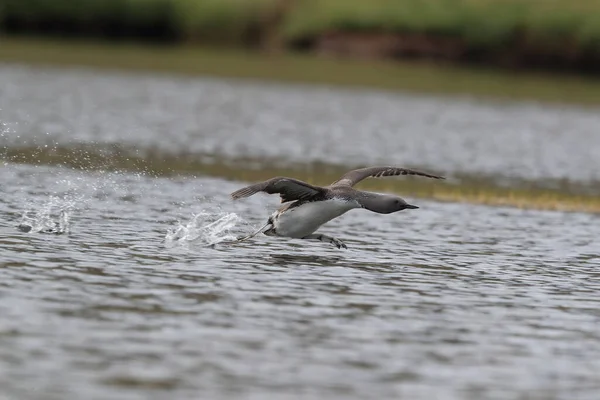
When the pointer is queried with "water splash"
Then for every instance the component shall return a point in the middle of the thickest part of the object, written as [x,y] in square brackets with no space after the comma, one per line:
[72,192]
[205,228]
[51,217]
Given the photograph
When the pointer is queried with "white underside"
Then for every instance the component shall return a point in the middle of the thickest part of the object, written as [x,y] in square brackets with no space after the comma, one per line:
[303,220]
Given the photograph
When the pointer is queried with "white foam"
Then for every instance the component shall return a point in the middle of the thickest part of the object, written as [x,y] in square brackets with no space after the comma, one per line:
[205,228]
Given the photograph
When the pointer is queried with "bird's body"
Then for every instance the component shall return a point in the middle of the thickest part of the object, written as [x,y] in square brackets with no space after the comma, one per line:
[298,221]
[307,207]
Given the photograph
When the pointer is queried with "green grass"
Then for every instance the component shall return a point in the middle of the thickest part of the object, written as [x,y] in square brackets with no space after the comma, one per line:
[480,23]
[413,77]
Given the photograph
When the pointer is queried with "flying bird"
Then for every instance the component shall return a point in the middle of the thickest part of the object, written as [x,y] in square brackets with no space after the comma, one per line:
[306,207]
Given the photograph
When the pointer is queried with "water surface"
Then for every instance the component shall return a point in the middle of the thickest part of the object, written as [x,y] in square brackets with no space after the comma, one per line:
[450,301]
[298,124]
[114,284]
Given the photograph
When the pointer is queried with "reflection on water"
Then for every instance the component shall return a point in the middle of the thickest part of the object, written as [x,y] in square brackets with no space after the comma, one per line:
[302,259]
[450,301]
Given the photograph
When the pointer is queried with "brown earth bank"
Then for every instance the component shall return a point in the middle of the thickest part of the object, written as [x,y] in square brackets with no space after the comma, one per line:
[523,51]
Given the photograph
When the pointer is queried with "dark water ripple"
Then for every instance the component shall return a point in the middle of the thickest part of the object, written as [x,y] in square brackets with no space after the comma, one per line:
[450,301]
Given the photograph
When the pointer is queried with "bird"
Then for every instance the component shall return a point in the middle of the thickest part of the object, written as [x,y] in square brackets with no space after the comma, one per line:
[306,207]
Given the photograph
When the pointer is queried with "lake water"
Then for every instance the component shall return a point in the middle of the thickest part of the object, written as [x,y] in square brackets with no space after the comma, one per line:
[109,287]
[298,124]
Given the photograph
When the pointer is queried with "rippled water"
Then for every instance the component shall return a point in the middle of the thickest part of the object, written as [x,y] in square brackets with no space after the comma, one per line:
[302,124]
[114,285]
[448,301]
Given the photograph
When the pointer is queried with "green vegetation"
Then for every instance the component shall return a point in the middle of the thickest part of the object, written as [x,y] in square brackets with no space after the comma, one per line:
[554,29]
[527,195]
[154,19]
[478,22]
[416,77]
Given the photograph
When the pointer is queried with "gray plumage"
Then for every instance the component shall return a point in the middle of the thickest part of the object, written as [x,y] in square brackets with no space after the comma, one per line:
[288,188]
[291,189]
[353,177]
[316,205]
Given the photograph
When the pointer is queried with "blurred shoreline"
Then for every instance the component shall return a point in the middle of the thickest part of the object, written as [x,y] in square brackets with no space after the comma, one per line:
[415,76]
[506,34]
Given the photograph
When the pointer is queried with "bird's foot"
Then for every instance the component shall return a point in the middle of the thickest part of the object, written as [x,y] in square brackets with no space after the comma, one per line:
[324,238]
[338,243]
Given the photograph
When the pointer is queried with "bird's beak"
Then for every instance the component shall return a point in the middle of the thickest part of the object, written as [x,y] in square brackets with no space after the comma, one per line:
[411,207]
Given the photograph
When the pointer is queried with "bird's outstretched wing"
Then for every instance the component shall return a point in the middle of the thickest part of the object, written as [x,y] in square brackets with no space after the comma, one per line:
[288,188]
[353,177]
